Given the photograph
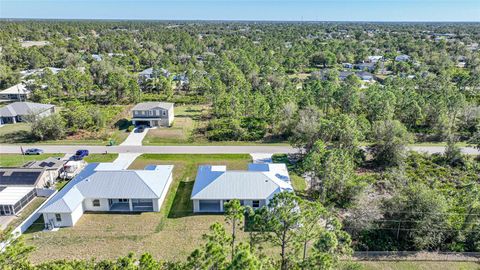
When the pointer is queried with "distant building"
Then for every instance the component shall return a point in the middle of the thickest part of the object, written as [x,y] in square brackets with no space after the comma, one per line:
[365,76]
[402,58]
[347,65]
[30,43]
[153,114]
[215,185]
[29,72]
[21,111]
[97,57]
[149,73]
[18,92]
[374,58]
[370,66]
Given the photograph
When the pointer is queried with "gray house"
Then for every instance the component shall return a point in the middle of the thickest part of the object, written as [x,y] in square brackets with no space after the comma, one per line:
[153,114]
[21,111]
[214,186]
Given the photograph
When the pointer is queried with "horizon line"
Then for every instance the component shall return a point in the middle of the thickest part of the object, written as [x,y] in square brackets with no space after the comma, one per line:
[231,20]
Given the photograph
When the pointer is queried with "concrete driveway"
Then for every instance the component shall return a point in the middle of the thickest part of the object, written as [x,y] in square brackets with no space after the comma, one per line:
[261,157]
[5,220]
[135,138]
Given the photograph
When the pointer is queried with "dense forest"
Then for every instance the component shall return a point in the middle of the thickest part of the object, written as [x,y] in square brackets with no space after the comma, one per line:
[351,97]
[262,80]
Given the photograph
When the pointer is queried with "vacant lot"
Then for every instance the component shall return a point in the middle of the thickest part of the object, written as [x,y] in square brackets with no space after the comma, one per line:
[171,234]
[16,160]
[187,119]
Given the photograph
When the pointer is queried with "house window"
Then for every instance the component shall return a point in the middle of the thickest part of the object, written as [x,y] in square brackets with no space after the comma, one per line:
[123,200]
[255,204]
[96,203]
[58,217]
[164,113]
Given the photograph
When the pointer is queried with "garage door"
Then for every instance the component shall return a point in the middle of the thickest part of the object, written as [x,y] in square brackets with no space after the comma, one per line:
[209,206]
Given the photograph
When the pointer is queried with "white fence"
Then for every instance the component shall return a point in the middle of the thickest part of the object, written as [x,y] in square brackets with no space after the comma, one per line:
[20,229]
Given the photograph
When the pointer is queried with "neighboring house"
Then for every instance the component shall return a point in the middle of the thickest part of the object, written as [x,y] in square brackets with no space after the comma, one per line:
[402,58]
[103,189]
[53,167]
[182,79]
[148,74]
[18,186]
[347,65]
[18,92]
[365,76]
[21,111]
[374,58]
[37,71]
[97,57]
[153,114]
[32,43]
[214,186]
[365,66]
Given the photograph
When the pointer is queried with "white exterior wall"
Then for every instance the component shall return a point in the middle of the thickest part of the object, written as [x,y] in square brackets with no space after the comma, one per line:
[196,206]
[157,204]
[171,116]
[88,205]
[77,214]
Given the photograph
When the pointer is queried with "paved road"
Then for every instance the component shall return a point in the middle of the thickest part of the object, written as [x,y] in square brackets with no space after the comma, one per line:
[154,149]
[273,149]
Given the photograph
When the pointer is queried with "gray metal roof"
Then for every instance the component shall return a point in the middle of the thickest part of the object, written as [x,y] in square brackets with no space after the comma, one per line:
[24,108]
[48,163]
[94,184]
[259,182]
[150,105]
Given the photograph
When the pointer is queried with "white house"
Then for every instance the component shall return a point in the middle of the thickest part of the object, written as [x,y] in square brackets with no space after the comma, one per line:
[99,188]
[18,92]
[153,114]
[214,186]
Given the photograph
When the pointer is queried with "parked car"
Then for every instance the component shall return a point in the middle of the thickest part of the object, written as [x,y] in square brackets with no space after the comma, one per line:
[80,154]
[33,151]
[140,129]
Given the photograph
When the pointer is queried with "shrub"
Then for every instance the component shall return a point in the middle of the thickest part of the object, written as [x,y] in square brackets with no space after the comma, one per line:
[130,128]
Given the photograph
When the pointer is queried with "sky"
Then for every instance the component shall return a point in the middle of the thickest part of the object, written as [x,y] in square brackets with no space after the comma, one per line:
[268,10]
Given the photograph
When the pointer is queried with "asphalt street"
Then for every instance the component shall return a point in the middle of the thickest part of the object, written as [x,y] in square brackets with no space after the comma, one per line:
[186,149]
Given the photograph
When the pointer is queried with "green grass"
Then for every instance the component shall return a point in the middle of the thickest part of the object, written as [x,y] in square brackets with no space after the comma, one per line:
[15,133]
[16,160]
[110,157]
[418,265]
[27,211]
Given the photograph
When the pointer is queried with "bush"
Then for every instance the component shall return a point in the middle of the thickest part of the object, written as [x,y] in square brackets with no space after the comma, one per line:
[48,128]
[130,128]
[229,129]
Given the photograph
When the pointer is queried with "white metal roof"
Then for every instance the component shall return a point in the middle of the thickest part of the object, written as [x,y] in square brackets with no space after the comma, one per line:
[16,89]
[110,184]
[261,181]
[11,195]
[150,105]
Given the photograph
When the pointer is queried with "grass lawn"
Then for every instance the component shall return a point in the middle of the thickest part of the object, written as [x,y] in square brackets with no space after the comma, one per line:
[15,160]
[101,157]
[27,211]
[171,234]
[400,265]
[189,118]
